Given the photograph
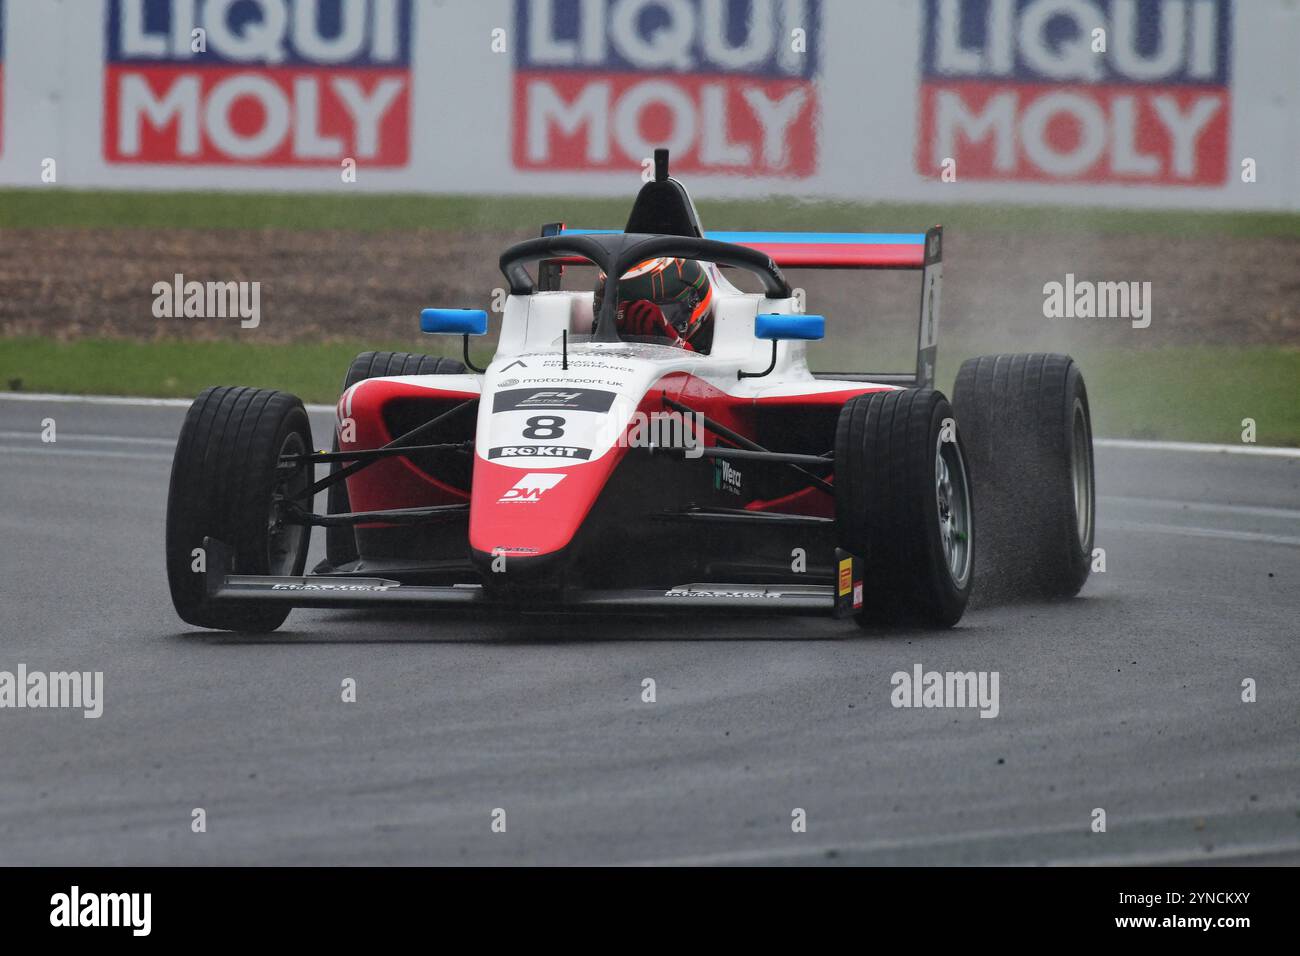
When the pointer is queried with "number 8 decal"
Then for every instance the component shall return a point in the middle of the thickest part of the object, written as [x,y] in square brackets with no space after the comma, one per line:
[544,426]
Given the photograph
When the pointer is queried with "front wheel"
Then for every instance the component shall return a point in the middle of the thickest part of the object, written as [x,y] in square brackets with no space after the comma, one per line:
[903,505]
[228,483]
[1028,430]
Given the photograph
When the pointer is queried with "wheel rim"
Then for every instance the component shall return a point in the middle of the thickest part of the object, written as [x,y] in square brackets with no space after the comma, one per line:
[1081,473]
[952,493]
[284,541]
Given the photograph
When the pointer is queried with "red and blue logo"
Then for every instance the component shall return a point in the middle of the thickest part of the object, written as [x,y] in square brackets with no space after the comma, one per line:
[258,82]
[727,85]
[1089,91]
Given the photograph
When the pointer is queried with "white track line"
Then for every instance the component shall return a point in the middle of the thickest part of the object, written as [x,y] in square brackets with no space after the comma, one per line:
[117,400]
[1174,856]
[95,399]
[1208,507]
[119,439]
[37,449]
[1271,451]
[1221,533]
[955,841]
[60,448]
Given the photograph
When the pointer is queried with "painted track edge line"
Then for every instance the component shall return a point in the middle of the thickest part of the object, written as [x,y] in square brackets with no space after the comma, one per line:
[1270,451]
[1274,451]
[119,400]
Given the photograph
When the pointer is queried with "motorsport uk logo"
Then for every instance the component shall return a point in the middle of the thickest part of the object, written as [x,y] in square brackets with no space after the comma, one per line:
[727,85]
[1100,91]
[258,82]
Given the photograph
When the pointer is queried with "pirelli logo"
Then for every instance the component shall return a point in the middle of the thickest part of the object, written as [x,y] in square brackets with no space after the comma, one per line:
[846,577]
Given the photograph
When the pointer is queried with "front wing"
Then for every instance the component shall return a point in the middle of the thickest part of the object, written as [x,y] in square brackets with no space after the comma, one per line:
[840,599]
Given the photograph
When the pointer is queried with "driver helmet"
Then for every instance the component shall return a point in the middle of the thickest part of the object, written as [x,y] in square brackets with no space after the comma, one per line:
[666,298]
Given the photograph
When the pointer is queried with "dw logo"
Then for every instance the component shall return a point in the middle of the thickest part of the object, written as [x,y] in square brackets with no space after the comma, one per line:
[530,488]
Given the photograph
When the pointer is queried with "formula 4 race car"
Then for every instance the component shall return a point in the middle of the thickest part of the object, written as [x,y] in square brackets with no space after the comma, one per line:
[589,469]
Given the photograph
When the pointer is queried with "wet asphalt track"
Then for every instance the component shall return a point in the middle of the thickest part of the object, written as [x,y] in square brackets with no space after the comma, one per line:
[1126,699]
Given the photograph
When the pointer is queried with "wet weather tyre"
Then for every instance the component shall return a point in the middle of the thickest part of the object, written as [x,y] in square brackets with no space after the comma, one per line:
[225,479]
[903,506]
[340,540]
[1027,430]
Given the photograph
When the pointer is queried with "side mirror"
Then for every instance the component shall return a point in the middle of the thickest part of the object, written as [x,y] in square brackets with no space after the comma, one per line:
[770,325]
[454,321]
[462,322]
[780,327]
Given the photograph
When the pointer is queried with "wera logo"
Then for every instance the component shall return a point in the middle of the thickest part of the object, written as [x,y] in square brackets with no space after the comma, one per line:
[726,477]
[179,299]
[74,909]
[531,487]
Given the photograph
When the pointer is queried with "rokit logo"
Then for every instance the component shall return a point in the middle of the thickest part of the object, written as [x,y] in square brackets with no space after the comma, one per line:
[727,85]
[258,82]
[539,451]
[530,488]
[1105,91]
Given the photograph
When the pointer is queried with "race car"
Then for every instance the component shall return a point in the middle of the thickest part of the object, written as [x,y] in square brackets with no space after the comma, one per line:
[609,458]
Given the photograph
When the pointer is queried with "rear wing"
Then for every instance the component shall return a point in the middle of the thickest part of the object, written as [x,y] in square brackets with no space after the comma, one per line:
[920,251]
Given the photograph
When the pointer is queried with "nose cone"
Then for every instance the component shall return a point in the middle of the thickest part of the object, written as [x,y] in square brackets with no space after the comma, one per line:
[531,514]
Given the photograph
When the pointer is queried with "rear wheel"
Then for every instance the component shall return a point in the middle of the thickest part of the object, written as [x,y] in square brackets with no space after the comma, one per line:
[227,484]
[1027,430]
[903,505]
[340,541]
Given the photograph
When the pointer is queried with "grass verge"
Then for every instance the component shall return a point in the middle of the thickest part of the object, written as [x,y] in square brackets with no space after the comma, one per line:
[1174,394]
[365,212]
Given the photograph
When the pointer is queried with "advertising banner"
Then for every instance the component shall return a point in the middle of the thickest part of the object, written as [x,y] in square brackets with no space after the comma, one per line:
[275,83]
[1189,104]
[1110,91]
[728,87]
